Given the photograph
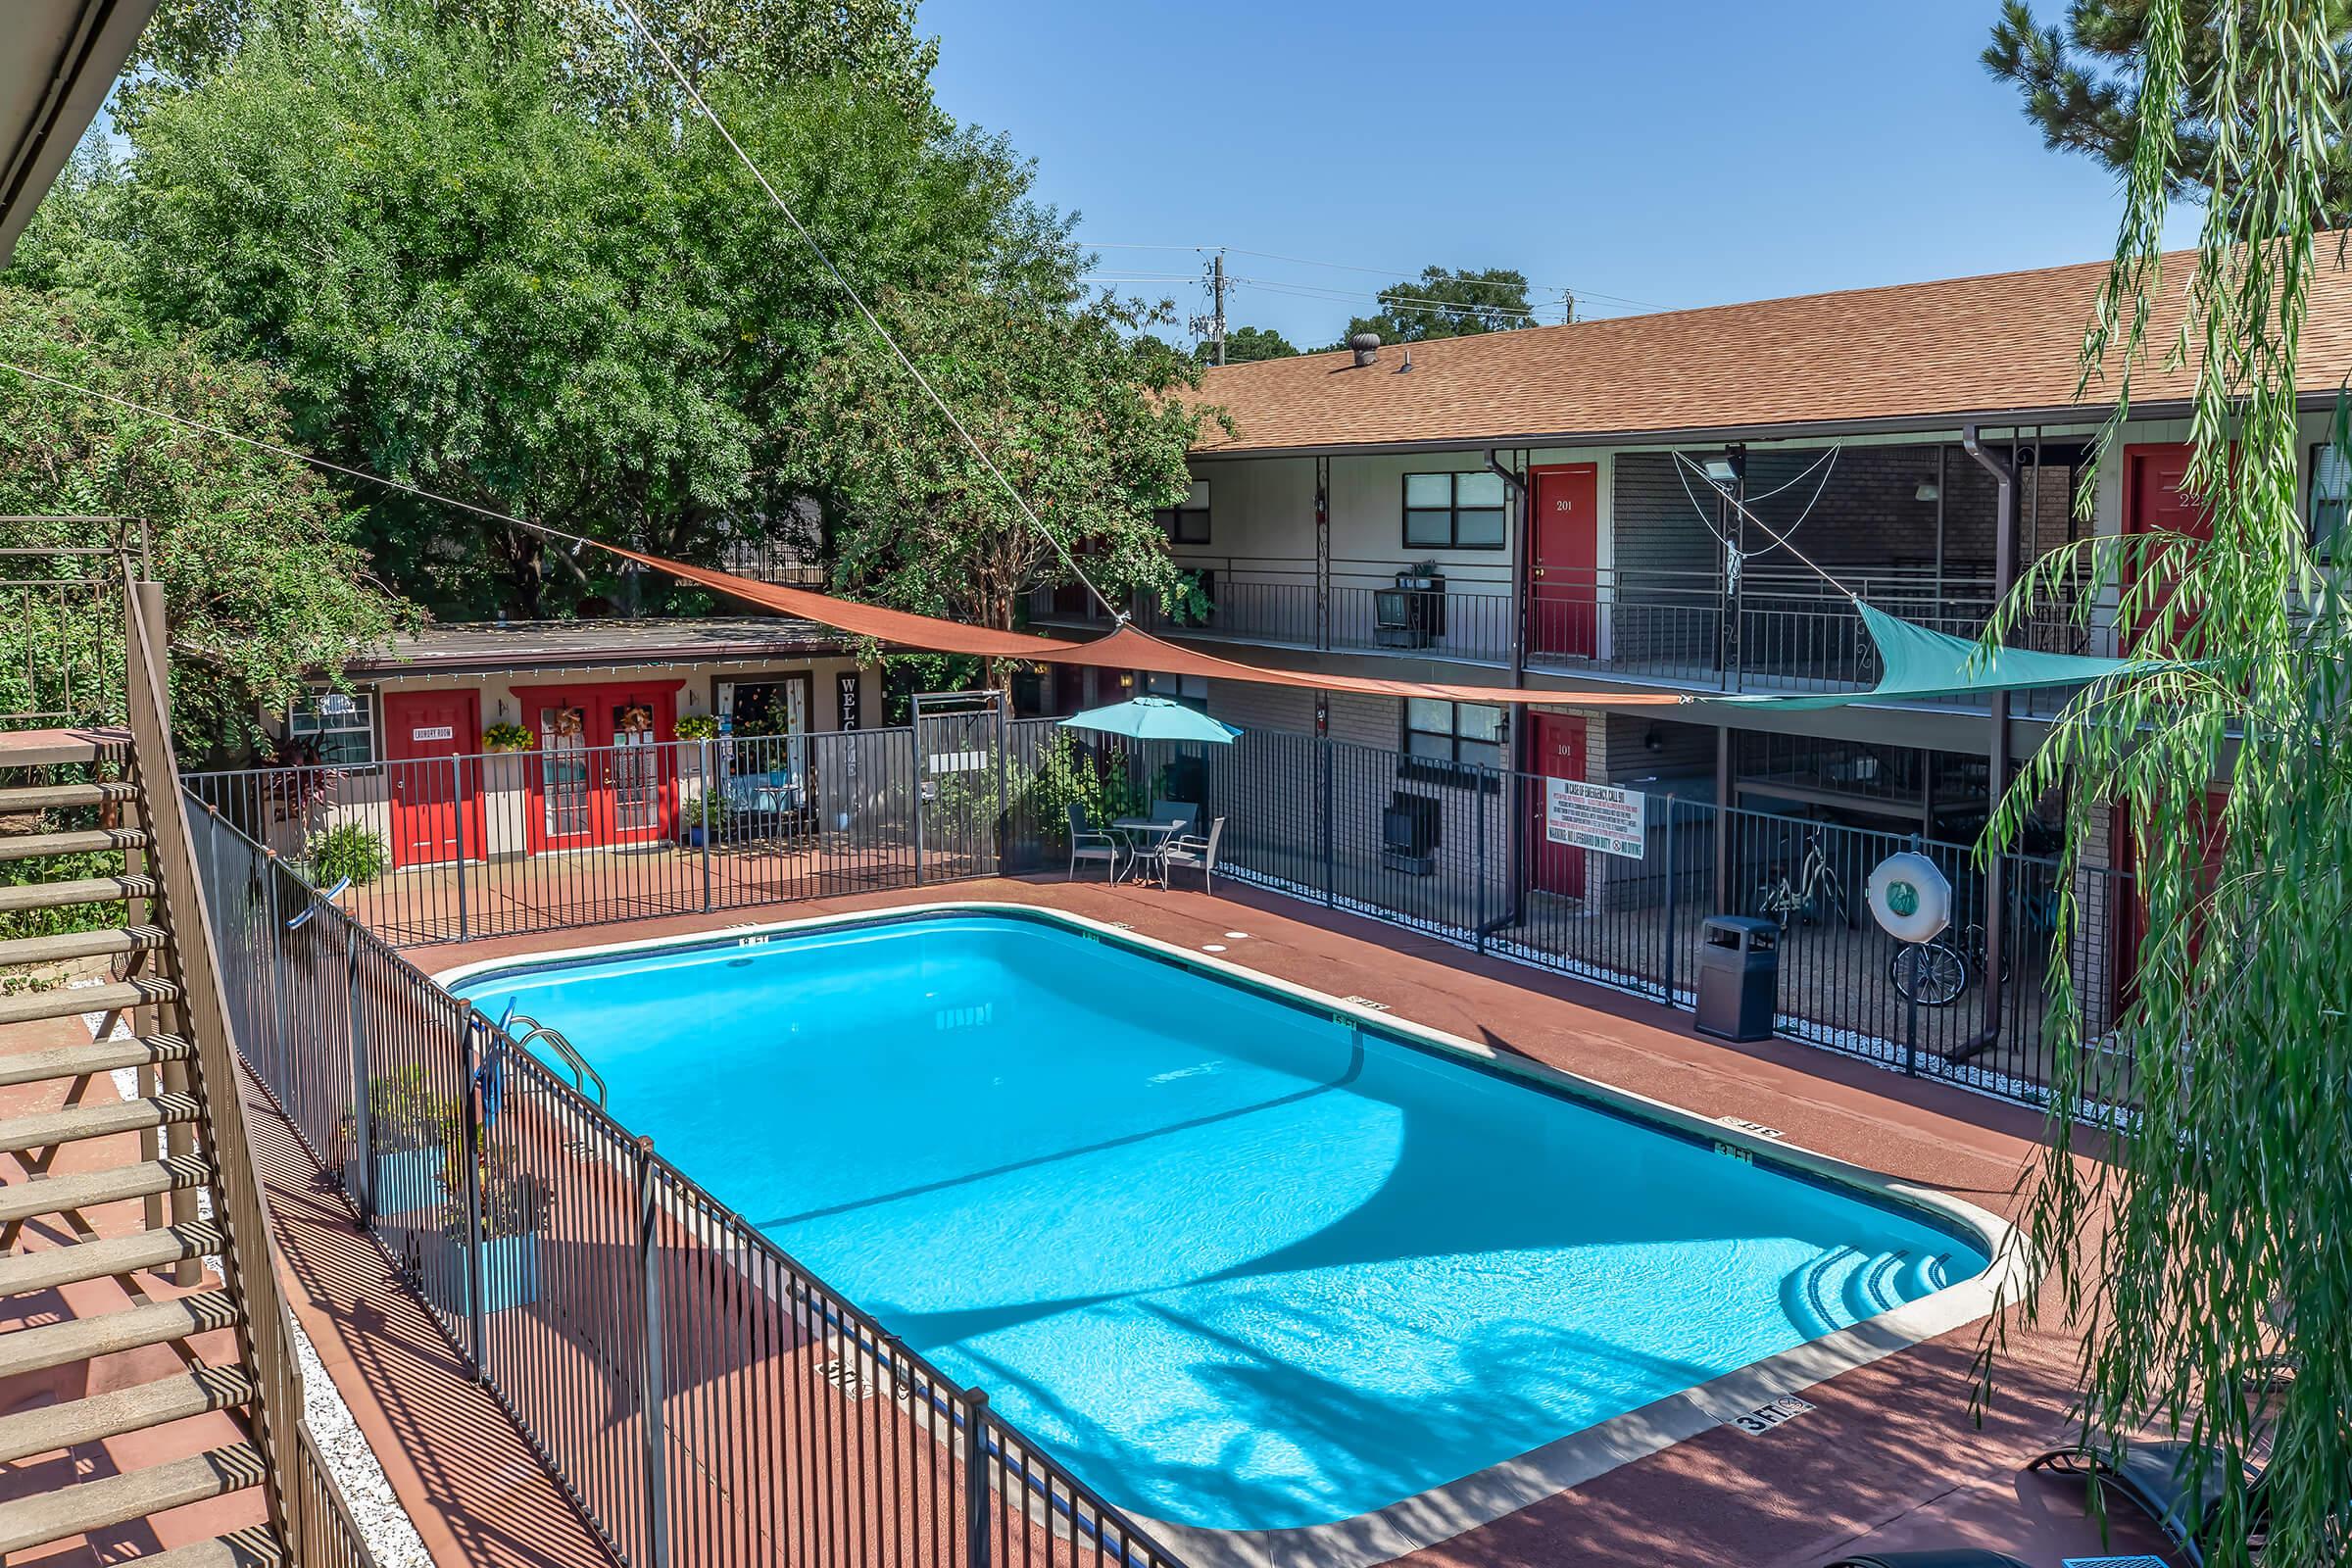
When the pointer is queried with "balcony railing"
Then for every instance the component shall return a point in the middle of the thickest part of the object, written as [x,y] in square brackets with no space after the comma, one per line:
[1775,631]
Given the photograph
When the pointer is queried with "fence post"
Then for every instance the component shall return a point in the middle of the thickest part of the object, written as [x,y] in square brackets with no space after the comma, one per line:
[1003,785]
[1323,819]
[362,1110]
[914,763]
[649,1274]
[1478,897]
[476,1307]
[705,811]
[1671,901]
[975,1479]
[456,804]
[280,1025]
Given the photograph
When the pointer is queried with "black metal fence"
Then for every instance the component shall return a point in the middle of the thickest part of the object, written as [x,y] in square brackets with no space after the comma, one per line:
[500,844]
[700,1397]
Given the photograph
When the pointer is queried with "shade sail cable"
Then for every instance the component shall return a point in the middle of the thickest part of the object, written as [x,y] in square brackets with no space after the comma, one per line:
[1069,560]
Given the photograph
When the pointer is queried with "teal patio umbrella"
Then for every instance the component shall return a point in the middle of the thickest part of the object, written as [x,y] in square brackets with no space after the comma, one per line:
[1152,719]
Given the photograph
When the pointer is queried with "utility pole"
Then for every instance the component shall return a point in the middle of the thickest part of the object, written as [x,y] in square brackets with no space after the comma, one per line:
[1216,292]
[1567,307]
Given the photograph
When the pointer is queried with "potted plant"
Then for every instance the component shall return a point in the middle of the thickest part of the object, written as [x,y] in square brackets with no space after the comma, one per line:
[698,727]
[709,811]
[506,737]
[409,1129]
[347,849]
[514,1206]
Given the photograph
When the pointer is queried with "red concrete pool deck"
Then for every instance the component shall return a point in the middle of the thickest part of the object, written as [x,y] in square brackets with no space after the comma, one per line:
[1891,1456]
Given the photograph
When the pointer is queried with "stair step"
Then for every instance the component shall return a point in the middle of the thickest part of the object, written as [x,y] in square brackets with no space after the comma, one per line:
[100,1416]
[80,890]
[58,748]
[63,797]
[82,945]
[33,845]
[23,1272]
[251,1548]
[90,1188]
[71,1125]
[67,1002]
[36,1521]
[100,1056]
[81,1339]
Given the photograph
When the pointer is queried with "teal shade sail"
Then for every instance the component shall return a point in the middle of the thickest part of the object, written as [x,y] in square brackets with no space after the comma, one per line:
[1918,663]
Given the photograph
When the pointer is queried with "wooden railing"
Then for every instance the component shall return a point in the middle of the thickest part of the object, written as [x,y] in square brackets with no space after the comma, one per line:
[307,1510]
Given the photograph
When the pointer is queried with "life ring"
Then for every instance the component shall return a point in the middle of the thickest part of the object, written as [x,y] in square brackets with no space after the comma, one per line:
[1909,896]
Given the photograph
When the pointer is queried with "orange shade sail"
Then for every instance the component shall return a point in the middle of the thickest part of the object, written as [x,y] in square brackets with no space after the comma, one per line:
[1126,648]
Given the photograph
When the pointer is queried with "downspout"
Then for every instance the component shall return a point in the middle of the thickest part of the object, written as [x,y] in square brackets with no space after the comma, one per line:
[1996,868]
[1515,813]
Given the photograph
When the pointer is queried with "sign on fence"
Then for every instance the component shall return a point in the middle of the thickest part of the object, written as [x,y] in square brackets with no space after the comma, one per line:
[1593,816]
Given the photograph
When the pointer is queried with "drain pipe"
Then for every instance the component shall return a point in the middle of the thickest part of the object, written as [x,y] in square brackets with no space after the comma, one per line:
[1996,757]
[1514,816]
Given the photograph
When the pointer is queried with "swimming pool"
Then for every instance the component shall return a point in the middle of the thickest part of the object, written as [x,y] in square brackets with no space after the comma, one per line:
[1244,1259]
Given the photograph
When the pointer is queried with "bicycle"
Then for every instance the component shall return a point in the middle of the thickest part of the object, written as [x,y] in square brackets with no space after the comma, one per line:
[1935,972]
[1817,890]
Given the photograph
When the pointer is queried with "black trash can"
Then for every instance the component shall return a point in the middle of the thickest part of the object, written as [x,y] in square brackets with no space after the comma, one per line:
[1738,976]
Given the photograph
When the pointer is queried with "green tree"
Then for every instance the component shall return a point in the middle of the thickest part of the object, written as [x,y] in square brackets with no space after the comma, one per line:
[480,275]
[779,44]
[2081,81]
[1080,406]
[2206,1237]
[264,580]
[1448,303]
[1246,343]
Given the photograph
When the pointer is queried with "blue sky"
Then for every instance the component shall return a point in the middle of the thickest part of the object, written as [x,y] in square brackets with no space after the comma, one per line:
[1674,152]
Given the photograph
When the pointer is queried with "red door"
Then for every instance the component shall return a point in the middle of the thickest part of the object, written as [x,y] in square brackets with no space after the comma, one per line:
[436,799]
[605,770]
[2124,847]
[1563,565]
[2156,501]
[1560,747]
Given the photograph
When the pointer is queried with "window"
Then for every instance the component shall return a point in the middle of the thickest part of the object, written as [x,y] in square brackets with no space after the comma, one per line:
[1188,524]
[2331,484]
[1441,738]
[1454,510]
[339,725]
[1190,690]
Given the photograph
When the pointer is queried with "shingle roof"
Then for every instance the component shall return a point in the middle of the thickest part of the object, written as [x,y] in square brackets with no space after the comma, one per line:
[468,646]
[1989,347]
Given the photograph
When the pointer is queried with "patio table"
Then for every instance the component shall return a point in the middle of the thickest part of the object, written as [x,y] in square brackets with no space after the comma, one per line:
[1146,836]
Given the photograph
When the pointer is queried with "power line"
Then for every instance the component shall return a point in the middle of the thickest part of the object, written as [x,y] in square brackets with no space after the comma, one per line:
[1382,271]
[1069,560]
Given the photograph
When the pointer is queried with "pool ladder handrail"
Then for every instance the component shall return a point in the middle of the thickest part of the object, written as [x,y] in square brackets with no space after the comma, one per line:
[522,1029]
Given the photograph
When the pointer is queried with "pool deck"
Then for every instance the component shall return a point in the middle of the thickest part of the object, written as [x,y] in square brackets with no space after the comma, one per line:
[1891,1456]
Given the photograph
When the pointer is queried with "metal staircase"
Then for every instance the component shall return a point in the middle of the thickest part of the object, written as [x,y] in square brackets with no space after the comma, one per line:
[132,1222]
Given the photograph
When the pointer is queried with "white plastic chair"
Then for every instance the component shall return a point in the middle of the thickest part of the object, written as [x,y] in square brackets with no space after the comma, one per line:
[1193,852]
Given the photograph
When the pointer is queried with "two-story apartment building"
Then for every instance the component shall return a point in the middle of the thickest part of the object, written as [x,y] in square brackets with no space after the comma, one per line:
[1519,505]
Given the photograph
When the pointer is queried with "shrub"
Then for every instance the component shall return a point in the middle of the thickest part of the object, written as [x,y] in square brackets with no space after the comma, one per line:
[507,738]
[348,850]
[698,727]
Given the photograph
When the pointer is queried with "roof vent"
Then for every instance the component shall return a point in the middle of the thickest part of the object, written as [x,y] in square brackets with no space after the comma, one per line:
[1366,346]
[1408,360]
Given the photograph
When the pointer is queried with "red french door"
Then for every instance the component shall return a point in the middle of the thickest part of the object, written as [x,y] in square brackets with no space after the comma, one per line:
[605,770]
[2157,500]
[1563,564]
[436,798]
[1558,741]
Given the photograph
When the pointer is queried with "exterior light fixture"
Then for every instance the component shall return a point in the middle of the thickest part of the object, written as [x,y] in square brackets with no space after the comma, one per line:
[1725,469]
[1928,490]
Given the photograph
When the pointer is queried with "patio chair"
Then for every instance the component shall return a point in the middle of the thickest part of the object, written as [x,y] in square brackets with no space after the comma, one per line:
[1198,852]
[1949,1557]
[2153,1478]
[1089,844]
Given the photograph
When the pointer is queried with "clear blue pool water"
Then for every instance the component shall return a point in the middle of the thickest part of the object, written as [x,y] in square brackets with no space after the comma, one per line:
[1239,1264]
